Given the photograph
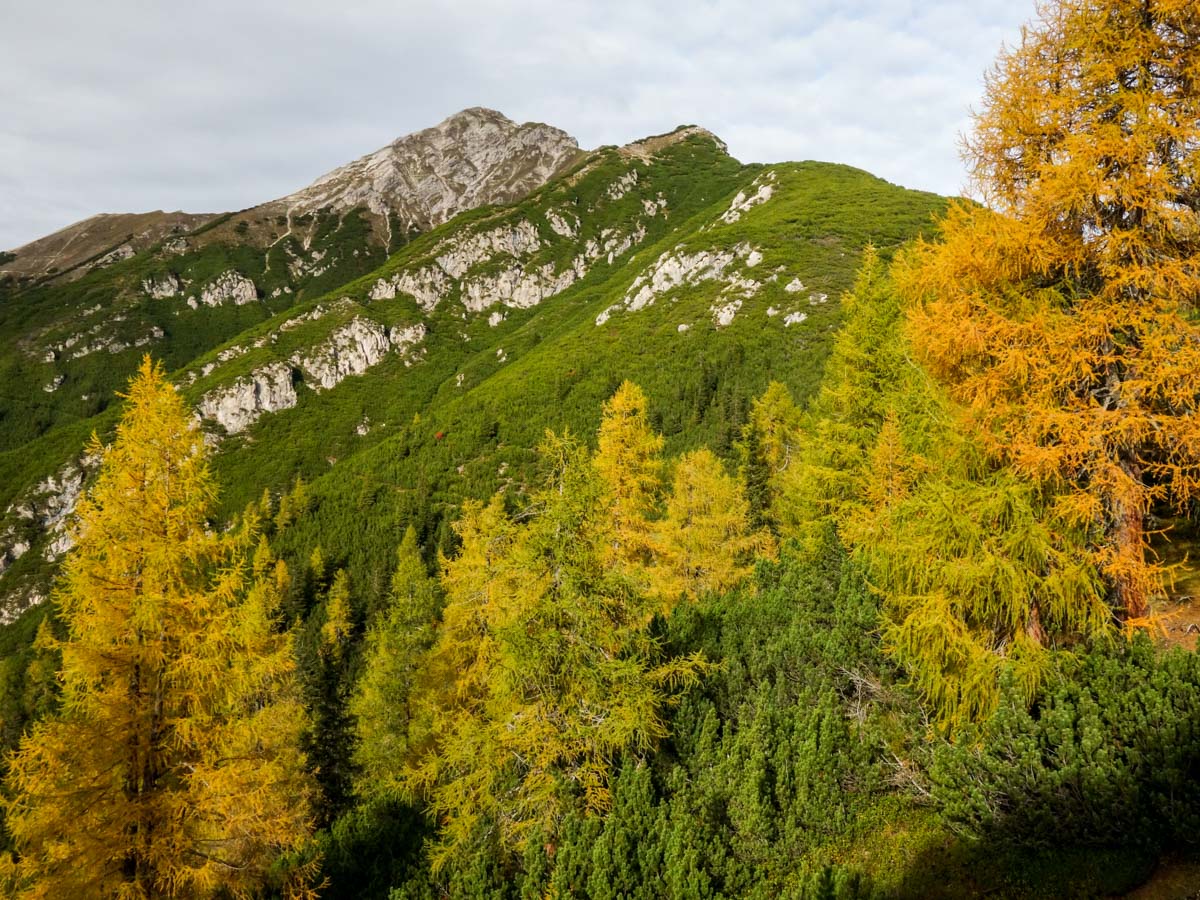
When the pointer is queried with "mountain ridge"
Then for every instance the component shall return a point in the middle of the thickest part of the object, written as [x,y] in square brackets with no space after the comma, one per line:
[665,260]
[473,157]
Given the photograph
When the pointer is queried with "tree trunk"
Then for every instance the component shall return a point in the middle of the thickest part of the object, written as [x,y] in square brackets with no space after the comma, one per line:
[1128,539]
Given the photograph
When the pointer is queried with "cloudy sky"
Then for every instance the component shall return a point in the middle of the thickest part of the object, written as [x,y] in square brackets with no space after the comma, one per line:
[133,105]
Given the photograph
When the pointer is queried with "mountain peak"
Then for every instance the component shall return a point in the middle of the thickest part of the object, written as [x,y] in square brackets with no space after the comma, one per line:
[475,157]
[648,146]
[477,113]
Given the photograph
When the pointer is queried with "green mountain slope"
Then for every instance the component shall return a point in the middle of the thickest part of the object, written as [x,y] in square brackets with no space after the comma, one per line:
[430,377]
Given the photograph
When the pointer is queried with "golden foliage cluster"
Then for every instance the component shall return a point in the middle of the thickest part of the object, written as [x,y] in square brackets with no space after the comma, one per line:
[172,768]
[1063,317]
[544,667]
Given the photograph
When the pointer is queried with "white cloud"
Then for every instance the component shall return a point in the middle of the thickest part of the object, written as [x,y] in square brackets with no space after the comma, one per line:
[128,105]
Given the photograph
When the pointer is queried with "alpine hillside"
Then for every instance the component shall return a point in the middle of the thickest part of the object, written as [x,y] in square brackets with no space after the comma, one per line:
[410,323]
[496,518]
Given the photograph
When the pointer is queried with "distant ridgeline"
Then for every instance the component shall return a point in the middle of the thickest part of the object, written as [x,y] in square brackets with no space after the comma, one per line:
[493,518]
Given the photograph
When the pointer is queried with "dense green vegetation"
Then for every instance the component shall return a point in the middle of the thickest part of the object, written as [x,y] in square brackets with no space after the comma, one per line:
[111,300]
[770,554]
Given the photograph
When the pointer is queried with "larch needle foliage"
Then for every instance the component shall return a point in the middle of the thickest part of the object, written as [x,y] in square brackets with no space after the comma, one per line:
[545,669]
[706,544]
[976,573]
[384,699]
[172,768]
[1062,316]
[629,462]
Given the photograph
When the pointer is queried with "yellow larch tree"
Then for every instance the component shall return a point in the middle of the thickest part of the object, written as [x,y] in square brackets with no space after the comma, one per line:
[628,459]
[384,698]
[706,543]
[337,628]
[172,768]
[768,458]
[543,670]
[1062,314]
[977,573]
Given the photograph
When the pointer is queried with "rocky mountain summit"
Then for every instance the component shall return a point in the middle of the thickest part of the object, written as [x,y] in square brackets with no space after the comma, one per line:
[476,157]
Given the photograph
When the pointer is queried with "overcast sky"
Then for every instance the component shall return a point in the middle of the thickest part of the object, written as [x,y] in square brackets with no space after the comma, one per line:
[208,106]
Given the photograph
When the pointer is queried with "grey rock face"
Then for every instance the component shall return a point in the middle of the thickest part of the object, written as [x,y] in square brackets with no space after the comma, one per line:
[764,189]
[239,405]
[94,340]
[426,285]
[125,251]
[517,283]
[677,268]
[12,548]
[349,350]
[473,158]
[45,509]
[228,287]
[161,288]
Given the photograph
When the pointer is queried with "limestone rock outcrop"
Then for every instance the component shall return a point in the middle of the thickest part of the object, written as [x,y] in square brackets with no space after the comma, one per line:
[677,268]
[228,287]
[350,349]
[763,190]
[237,406]
[162,287]
[473,158]
[427,285]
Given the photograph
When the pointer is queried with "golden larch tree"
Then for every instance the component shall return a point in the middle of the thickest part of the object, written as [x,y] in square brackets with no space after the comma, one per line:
[1062,316]
[706,543]
[544,669]
[977,575]
[395,645]
[628,459]
[172,768]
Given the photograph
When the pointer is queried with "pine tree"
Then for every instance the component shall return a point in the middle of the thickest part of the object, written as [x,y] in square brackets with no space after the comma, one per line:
[173,767]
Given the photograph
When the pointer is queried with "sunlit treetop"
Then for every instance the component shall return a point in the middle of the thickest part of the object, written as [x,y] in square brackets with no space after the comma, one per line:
[1089,137]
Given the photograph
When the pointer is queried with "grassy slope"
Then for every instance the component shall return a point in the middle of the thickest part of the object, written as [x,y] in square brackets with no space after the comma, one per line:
[561,367]
[557,367]
[112,301]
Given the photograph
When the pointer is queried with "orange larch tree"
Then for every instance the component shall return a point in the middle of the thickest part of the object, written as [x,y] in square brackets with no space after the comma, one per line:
[1062,313]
